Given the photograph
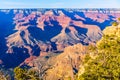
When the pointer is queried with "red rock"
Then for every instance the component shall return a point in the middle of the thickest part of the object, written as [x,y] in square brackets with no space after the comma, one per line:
[63,21]
[42,54]
[30,59]
[71,32]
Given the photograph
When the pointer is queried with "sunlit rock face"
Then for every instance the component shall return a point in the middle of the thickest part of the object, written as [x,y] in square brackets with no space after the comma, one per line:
[28,33]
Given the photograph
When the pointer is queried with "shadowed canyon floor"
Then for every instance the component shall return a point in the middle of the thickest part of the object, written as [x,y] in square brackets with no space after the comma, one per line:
[26,34]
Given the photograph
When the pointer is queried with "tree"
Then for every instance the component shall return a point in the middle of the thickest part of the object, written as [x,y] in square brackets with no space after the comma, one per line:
[106,66]
[33,74]
[20,74]
[24,74]
[118,19]
[114,23]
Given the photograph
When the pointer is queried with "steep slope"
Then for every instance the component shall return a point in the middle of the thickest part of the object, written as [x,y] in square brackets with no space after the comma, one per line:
[65,38]
[28,39]
[105,62]
[67,63]
[28,33]
[50,23]
[62,66]
[74,59]
[88,62]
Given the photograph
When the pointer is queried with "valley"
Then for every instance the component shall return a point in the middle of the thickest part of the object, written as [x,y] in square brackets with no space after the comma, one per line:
[43,38]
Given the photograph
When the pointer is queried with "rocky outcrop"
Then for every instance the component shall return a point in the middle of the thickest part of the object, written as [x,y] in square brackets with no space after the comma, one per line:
[59,29]
[67,63]
[39,31]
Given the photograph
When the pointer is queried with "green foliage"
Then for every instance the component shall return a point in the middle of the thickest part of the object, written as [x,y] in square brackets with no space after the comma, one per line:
[92,47]
[69,78]
[118,19]
[87,58]
[106,66]
[34,75]
[114,23]
[20,74]
[24,74]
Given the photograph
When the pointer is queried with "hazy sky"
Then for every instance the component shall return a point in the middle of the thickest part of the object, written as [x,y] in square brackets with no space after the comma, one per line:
[59,4]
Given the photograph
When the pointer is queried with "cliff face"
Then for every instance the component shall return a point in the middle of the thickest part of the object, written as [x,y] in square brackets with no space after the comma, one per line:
[103,57]
[67,63]
[62,66]
[32,32]
[74,58]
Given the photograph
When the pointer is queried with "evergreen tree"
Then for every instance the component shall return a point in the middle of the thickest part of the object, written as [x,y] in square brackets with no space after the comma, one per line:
[106,65]
[24,74]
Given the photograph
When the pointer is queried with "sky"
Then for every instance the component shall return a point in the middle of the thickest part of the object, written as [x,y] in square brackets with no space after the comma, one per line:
[8,4]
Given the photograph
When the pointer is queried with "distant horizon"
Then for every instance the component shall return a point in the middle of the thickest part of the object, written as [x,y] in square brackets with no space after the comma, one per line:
[58,8]
[15,4]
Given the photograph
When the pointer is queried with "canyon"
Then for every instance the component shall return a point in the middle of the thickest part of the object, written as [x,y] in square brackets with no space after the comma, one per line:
[27,34]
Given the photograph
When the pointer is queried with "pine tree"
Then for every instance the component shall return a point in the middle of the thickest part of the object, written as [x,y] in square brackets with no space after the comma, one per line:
[106,66]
